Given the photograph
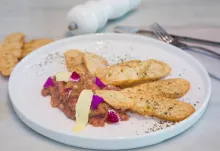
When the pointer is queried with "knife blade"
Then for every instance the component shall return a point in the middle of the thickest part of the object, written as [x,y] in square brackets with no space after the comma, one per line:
[127,29]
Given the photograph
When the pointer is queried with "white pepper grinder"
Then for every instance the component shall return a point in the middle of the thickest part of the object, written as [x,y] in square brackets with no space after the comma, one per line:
[89,17]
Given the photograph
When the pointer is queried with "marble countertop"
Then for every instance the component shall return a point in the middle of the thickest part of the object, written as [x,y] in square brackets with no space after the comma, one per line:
[47,18]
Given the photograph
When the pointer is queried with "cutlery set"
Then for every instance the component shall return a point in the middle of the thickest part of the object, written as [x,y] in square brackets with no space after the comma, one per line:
[157,32]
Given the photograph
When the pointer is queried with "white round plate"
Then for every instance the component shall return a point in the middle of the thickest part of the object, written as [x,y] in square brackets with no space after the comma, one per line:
[28,77]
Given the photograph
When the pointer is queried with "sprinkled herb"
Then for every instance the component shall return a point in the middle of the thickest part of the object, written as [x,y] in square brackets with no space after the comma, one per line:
[170,108]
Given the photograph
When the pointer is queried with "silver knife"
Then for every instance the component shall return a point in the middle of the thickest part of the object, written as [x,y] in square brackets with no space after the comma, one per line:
[127,29]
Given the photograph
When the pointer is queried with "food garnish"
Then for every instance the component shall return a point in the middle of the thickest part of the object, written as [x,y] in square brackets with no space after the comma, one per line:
[82,110]
[99,83]
[68,89]
[69,92]
[96,100]
[113,116]
[75,77]
[48,83]
[63,76]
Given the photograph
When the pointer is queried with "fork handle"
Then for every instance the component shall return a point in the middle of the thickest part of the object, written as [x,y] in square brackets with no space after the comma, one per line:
[213,53]
[195,40]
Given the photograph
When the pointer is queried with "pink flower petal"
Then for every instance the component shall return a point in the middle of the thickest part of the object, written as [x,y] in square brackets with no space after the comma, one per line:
[96,100]
[99,83]
[48,83]
[75,77]
[113,116]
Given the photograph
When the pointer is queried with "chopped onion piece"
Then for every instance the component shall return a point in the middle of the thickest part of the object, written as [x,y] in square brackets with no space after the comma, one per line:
[74,77]
[99,83]
[68,90]
[48,83]
[69,93]
[96,100]
[113,116]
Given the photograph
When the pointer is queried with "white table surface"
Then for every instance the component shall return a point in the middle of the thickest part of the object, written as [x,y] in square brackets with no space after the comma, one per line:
[47,18]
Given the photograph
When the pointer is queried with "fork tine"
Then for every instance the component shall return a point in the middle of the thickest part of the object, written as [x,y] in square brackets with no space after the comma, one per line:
[165,34]
[161,28]
[161,33]
[157,34]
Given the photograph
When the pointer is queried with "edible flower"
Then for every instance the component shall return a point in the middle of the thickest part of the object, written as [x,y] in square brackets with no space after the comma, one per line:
[96,100]
[99,83]
[113,116]
[48,83]
[74,77]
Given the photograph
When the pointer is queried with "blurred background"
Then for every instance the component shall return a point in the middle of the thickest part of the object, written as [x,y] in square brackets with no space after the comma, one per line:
[48,18]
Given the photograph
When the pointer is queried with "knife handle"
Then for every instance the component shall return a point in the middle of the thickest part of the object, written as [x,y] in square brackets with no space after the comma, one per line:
[195,40]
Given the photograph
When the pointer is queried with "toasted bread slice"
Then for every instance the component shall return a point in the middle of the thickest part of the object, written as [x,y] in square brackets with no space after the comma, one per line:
[130,63]
[125,75]
[13,43]
[7,63]
[74,61]
[32,45]
[148,104]
[161,107]
[170,88]
[116,99]
[93,62]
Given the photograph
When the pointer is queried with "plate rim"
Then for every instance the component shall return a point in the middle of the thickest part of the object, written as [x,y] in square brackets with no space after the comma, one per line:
[141,136]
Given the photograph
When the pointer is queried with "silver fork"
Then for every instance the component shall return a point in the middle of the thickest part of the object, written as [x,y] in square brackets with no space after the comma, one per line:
[161,34]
